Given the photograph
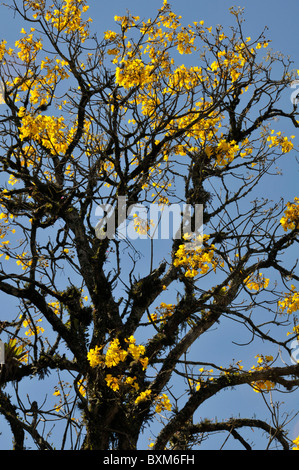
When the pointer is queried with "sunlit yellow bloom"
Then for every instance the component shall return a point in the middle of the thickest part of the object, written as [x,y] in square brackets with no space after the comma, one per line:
[290,303]
[143,396]
[256,282]
[290,221]
[163,403]
[296,442]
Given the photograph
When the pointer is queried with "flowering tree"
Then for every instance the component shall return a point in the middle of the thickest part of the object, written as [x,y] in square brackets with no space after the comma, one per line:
[158,114]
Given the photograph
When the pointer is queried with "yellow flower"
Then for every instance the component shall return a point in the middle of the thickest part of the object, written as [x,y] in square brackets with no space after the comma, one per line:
[133,72]
[290,304]
[94,357]
[291,216]
[143,396]
[163,403]
[256,283]
[296,442]
[82,387]
[32,330]
[132,382]
[115,354]
[112,382]
[196,259]
[110,35]
[262,385]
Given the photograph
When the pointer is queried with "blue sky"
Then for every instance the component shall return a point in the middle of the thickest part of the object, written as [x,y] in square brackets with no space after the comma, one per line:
[280,17]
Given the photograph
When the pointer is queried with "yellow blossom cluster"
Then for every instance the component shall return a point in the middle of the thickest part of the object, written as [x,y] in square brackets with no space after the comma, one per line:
[203,129]
[126,22]
[185,42]
[40,88]
[2,48]
[24,261]
[4,226]
[143,396]
[33,329]
[290,303]
[145,65]
[82,387]
[114,355]
[68,19]
[162,401]
[196,259]
[55,305]
[290,221]
[133,73]
[279,140]
[165,311]
[230,63]
[28,46]
[225,152]
[119,382]
[256,282]
[148,67]
[35,6]
[49,131]
[184,78]
[263,385]
[294,331]
[54,67]
[263,364]
[296,442]
[110,35]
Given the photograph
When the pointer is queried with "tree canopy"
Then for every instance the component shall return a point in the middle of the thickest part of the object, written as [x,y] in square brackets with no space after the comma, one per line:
[156,114]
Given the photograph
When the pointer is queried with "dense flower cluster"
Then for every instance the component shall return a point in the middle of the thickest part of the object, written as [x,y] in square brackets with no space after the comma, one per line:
[296,442]
[133,73]
[196,259]
[290,303]
[143,396]
[67,19]
[114,355]
[290,221]
[163,403]
[257,282]
[47,130]
[28,46]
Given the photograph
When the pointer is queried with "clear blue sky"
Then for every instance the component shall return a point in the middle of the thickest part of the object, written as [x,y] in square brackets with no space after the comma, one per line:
[281,18]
